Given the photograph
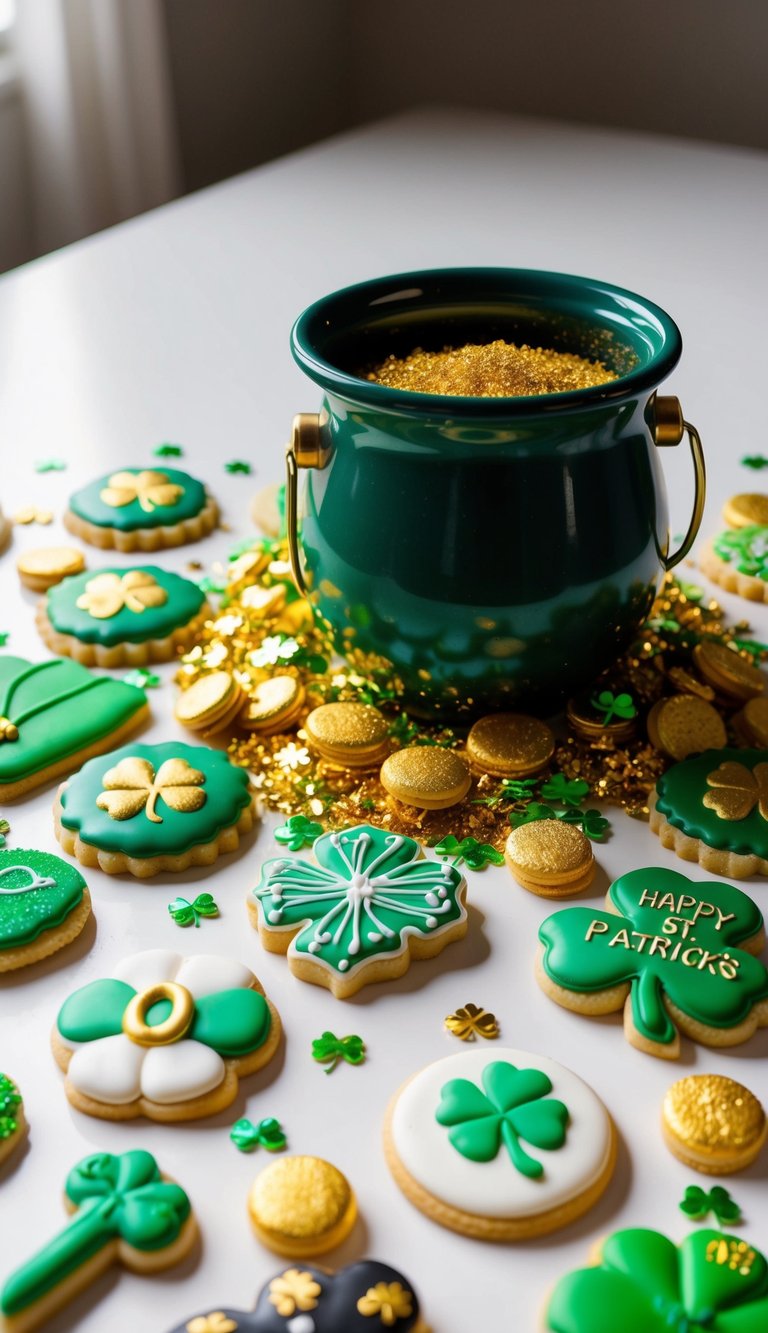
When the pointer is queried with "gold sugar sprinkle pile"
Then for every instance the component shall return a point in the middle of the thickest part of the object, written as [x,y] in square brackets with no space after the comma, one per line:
[491,370]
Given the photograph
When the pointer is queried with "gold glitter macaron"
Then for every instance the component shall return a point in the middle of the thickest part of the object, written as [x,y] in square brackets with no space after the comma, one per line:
[727,672]
[210,704]
[751,724]
[44,566]
[510,744]
[348,735]
[683,725]
[301,1206]
[713,1124]
[426,776]
[550,858]
[743,511]
[273,704]
[686,683]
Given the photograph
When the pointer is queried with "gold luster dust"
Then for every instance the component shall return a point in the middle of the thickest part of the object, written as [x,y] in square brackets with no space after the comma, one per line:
[300,1198]
[710,1111]
[510,744]
[497,369]
[549,847]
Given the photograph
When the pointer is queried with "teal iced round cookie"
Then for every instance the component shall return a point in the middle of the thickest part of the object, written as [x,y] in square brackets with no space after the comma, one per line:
[641,1282]
[143,508]
[44,904]
[714,809]
[676,955]
[143,614]
[150,808]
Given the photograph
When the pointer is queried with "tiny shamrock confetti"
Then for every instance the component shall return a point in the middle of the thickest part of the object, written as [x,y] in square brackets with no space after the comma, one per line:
[614,705]
[329,1050]
[476,854]
[535,810]
[4,637]
[50,465]
[699,1203]
[168,451]
[143,679]
[756,461]
[298,832]
[267,1134]
[187,914]
[593,824]
[5,829]
[471,1021]
[237,465]
[568,791]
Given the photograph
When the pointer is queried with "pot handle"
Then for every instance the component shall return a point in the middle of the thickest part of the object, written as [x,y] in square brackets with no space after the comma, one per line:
[669,428]
[306,449]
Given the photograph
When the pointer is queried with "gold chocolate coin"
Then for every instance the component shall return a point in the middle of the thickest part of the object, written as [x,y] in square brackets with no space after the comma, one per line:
[426,776]
[274,703]
[727,672]
[713,1124]
[43,566]
[744,511]
[550,858]
[350,735]
[301,1206]
[585,724]
[510,744]
[686,683]
[683,725]
[210,704]
[751,724]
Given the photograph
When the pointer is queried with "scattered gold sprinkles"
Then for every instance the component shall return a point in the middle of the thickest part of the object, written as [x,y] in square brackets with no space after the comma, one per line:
[471,1021]
[490,370]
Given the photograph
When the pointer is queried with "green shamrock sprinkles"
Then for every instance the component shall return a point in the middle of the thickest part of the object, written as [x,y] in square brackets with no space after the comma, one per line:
[611,705]
[477,855]
[10,1101]
[268,1133]
[746,548]
[329,1050]
[238,466]
[5,829]
[512,1105]
[187,914]
[298,832]
[141,678]
[698,1204]
[568,791]
[755,461]
[168,451]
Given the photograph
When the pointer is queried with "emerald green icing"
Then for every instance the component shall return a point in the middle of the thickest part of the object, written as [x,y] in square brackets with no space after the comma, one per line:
[665,937]
[366,893]
[113,1196]
[226,790]
[37,892]
[10,1101]
[746,548]
[59,708]
[88,505]
[184,600]
[680,794]
[509,1108]
[95,1011]
[711,1283]
[233,1022]
[158,1012]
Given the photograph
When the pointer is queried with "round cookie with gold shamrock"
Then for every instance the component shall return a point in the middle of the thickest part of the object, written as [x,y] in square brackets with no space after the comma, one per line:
[151,808]
[500,1145]
[713,809]
[676,955]
[44,905]
[122,617]
[737,560]
[164,1036]
[142,509]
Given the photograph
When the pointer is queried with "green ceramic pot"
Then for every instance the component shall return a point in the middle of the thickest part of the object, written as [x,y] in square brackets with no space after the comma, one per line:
[497,552]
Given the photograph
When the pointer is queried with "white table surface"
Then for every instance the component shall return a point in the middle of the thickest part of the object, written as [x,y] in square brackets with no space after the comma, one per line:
[175,327]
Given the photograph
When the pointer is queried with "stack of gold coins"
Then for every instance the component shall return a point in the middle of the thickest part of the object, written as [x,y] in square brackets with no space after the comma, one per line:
[426,776]
[584,723]
[733,679]
[211,704]
[750,725]
[510,745]
[550,858]
[746,511]
[684,724]
[686,683]
[348,735]
[273,705]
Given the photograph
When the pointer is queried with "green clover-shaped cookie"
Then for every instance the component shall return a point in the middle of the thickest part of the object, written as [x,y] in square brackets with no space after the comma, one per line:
[508,1109]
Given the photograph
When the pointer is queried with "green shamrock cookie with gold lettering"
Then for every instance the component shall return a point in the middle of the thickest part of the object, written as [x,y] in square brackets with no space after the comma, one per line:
[142,509]
[714,809]
[675,955]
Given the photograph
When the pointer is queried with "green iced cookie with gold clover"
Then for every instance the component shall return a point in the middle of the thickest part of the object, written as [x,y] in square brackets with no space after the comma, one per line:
[151,808]
[118,617]
[142,509]
[714,809]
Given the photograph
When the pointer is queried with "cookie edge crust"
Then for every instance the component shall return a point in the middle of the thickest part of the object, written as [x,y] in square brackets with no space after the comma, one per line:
[146,539]
[12,791]
[726,865]
[729,578]
[50,940]
[121,654]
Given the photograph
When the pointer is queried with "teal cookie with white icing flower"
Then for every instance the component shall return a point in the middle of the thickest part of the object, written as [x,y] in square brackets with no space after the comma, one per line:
[358,912]
[142,509]
[44,905]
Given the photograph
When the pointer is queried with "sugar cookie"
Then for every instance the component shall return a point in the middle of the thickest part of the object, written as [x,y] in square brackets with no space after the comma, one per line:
[43,566]
[138,509]
[44,904]
[713,1124]
[714,809]
[301,1206]
[13,1123]
[426,776]
[550,858]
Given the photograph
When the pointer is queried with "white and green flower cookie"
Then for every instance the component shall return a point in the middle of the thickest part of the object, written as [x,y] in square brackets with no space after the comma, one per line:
[674,954]
[737,560]
[54,715]
[166,1037]
[641,1282]
[116,617]
[13,1123]
[44,905]
[500,1145]
[149,808]
[139,509]
[360,911]
[714,809]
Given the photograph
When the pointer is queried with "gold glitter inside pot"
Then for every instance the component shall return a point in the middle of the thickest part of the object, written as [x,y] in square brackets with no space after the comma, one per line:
[300,1198]
[507,744]
[710,1111]
[497,369]
[548,847]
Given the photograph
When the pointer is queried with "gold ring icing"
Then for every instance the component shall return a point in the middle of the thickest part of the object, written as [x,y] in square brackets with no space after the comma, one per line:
[173,1028]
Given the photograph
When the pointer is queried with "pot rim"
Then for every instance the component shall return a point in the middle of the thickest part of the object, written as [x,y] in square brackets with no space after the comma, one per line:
[557,292]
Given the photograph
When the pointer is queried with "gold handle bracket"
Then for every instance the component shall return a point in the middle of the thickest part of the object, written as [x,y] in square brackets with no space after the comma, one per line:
[669,429]
[308,448]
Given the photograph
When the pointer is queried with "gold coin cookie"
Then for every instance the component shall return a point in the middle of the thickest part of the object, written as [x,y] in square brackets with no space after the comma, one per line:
[426,776]
[727,672]
[210,704]
[301,1206]
[713,1124]
[686,683]
[274,704]
[751,724]
[683,725]
[550,858]
[510,744]
[44,566]
[348,734]
[743,511]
